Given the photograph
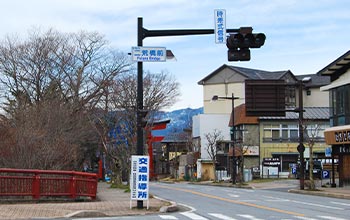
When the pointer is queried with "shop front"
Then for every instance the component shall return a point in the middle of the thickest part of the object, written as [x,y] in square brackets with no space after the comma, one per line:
[339,138]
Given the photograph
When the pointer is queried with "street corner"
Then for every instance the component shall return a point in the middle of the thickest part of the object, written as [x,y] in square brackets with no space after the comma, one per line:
[168,206]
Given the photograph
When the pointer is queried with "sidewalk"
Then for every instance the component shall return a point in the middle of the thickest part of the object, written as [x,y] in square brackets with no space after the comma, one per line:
[110,202]
[115,202]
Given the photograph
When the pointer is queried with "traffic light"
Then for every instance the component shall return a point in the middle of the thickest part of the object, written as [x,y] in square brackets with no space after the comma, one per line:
[238,44]
[245,40]
[242,54]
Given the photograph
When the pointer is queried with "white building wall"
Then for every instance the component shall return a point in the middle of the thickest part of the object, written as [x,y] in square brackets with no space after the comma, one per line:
[317,98]
[222,106]
[207,123]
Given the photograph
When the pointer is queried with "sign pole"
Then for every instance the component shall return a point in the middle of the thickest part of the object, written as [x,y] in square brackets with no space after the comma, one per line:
[139,131]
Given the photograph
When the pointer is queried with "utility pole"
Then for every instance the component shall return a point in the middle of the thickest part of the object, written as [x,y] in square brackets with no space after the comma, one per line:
[233,141]
[232,134]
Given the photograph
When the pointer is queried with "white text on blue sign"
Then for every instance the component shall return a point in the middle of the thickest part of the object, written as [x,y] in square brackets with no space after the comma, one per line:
[148,54]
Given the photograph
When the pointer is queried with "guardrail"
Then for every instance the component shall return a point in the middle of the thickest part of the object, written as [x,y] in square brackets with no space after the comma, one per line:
[47,183]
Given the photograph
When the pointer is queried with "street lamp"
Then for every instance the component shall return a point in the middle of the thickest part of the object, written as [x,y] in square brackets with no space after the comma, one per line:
[232,132]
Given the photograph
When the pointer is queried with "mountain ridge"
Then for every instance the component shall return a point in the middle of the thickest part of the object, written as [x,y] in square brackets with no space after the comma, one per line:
[180,119]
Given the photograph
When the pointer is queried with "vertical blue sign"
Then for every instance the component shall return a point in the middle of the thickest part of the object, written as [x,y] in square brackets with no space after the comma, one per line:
[328,152]
[220,26]
[139,180]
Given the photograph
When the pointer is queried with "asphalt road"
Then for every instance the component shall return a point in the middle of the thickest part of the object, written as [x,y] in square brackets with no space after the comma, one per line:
[203,202]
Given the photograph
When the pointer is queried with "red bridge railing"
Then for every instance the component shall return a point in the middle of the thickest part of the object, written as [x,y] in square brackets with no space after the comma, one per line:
[47,183]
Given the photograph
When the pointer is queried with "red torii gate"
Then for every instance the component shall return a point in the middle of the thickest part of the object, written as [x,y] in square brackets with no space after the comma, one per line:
[158,125]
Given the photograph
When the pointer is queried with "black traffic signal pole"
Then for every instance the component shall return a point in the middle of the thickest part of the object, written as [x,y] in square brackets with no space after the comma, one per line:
[301,147]
[142,33]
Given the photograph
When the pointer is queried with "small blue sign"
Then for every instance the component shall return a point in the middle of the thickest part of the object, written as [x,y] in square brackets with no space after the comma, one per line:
[328,152]
[325,174]
[294,170]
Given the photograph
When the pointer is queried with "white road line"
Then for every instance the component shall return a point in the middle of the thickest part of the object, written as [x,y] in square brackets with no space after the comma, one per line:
[341,203]
[249,217]
[233,195]
[248,190]
[275,199]
[221,216]
[317,205]
[305,218]
[192,215]
[330,217]
[167,217]
[247,200]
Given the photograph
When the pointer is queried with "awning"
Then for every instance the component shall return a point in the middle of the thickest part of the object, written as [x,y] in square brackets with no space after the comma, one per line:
[337,135]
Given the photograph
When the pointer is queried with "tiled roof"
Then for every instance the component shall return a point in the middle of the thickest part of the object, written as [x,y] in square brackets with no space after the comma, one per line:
[181,137]
[319,113]
[242,118]
[315,80]
[258,74]
[248,73]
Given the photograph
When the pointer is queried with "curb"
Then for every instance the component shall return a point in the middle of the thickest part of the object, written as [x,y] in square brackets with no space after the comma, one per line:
[86,214]
[320,193]
[170,208]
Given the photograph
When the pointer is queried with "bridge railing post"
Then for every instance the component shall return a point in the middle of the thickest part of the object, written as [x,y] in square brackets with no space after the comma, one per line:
[36,186]
[73,187]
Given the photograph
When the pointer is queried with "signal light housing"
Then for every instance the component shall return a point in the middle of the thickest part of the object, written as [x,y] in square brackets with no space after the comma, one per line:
[242,54]
[238,44]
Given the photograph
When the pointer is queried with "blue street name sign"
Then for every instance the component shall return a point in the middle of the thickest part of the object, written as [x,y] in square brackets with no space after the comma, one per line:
[148,54]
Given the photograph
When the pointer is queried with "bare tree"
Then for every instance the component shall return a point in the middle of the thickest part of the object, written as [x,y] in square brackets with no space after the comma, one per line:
[212,140]
[312,132]
[116,123]
[50,84]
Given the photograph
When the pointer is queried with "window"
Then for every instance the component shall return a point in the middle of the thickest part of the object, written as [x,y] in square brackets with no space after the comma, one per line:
[316,131]
[280,132]
[290,132]
[290,97]
[340,105]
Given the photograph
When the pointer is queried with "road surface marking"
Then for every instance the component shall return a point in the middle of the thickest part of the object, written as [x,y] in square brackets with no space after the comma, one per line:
[305,218]
[233,195]
[275,199]
[192,215]
[250,217]
[317,205]
[221,216]
[331,217]
[168,217]
[341,203]
[233,201]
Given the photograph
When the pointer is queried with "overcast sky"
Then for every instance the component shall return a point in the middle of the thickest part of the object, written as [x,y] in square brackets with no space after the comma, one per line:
[301,35]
